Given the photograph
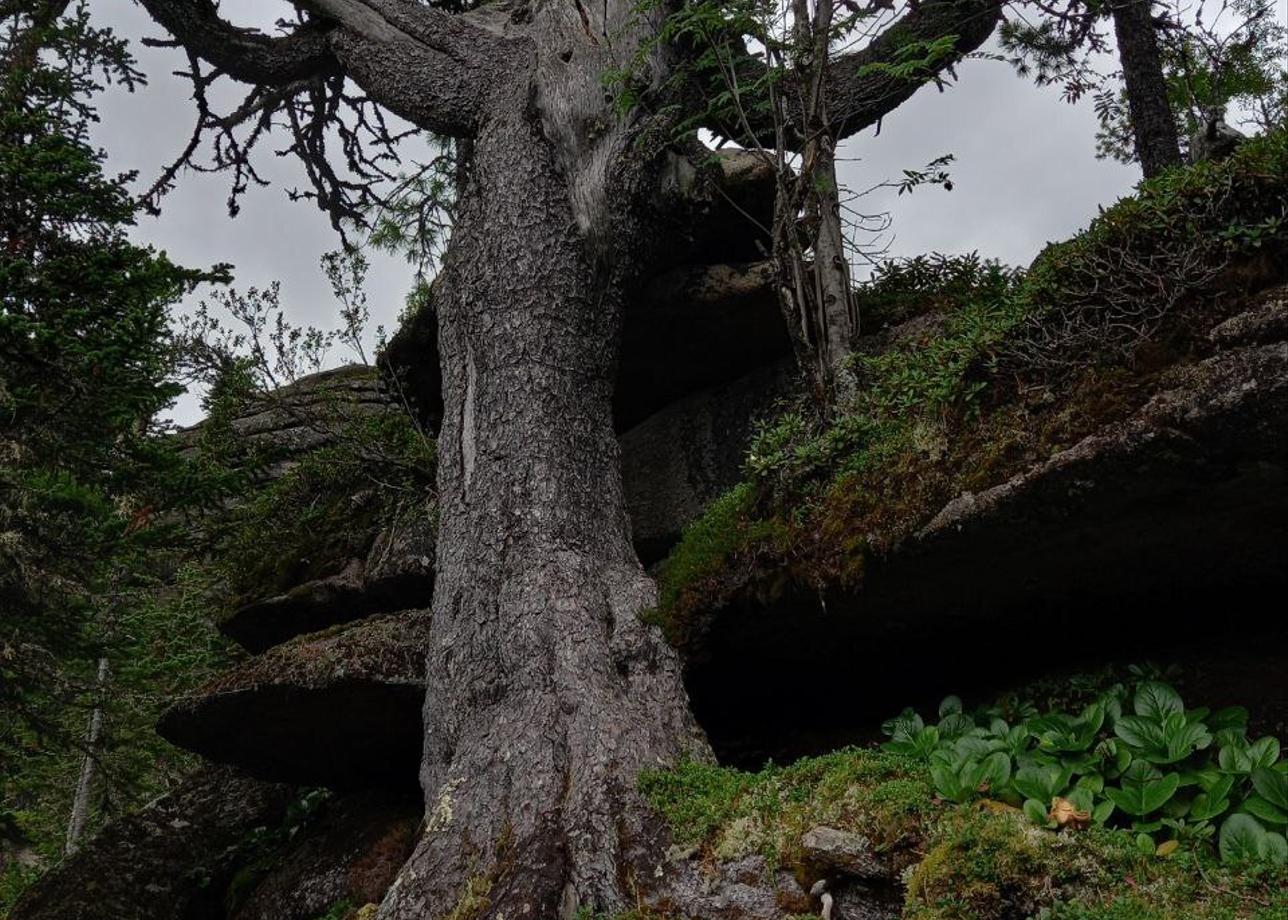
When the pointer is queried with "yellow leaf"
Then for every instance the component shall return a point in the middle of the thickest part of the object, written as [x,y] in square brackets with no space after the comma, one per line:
[1168,847]
[1065,814]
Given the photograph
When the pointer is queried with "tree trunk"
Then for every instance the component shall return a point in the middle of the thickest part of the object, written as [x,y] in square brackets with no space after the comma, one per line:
[815,292]
[1153,125]
[85,782]
[547,695]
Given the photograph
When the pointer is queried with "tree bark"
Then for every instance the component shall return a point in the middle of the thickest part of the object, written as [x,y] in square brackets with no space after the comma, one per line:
[1153,125]
[85,782]
[815,292]
[547,694]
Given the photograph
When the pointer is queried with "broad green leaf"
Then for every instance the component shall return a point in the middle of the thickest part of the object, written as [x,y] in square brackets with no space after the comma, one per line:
[1142,733]
[947,783]
[1183,738]
[1264,752]
[1265,811]
[955,724]
[1272,786]
[1092,782]
[1275,848]
[1035,811]
[1100,814]
[926,741]
[1145,844]
[1206,806]
[1143,798]
[1041,782]
[1157,701]
[1217,785]
[1232,717]
[995,771]
[1234,758]
[972,747]
[903,726]
[1242,839]
[950,706]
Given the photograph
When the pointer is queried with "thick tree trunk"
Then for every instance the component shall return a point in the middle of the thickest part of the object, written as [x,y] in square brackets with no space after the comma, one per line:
[547,695]
[1153,125]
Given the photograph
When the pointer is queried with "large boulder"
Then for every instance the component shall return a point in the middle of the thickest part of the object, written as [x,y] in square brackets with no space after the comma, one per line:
[171,861]
[300,416]
[350,854]
[696,327]
[340,708]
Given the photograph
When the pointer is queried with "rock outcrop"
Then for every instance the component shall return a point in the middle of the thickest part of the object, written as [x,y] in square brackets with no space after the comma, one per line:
[300,416]
[683,457]
[341,708]
[396,574]
[349,855]
[1141,537]
[171,861]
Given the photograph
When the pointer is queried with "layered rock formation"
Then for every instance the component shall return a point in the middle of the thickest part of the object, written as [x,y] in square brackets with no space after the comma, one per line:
[174,859]
[1149,538]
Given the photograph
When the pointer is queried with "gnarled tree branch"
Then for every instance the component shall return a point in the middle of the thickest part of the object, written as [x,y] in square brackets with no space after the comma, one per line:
[858,94]
[858,97]
[242,54]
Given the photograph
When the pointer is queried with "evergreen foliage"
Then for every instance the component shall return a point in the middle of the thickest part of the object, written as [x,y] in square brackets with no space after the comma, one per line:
[86,369]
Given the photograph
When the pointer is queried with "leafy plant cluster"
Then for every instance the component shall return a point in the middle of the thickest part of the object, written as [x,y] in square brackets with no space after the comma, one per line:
[1134,758]
[970,305]
[900,289]
[1146,264]
[978,858]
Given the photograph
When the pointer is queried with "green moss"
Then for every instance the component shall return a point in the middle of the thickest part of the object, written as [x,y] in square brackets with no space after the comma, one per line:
[473,900]
[991,865]
[727,528]
[977,862]
[340,910]
[730,813]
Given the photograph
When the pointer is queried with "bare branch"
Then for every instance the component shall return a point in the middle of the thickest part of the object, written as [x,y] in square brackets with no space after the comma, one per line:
[244,55]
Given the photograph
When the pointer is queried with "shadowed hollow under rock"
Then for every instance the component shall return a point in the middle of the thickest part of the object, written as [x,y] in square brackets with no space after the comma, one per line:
[341,708]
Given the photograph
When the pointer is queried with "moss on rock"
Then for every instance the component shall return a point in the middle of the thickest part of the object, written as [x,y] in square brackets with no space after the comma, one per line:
[993,374]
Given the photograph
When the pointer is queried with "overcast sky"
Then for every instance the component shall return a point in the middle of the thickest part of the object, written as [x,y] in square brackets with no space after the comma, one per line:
[1025,173]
